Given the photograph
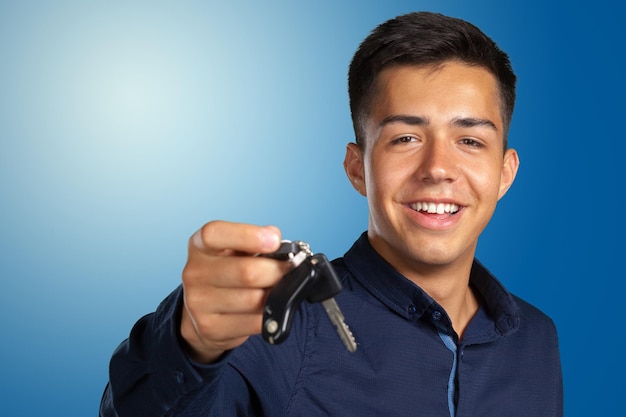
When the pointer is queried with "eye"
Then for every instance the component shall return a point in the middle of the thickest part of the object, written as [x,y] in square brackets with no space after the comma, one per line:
[403,139]
[472,143]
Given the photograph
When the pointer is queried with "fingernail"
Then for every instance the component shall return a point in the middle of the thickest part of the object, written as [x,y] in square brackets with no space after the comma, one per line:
[270,238]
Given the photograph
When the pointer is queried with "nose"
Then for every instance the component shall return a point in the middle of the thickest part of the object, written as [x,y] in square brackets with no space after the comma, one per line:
[438,162]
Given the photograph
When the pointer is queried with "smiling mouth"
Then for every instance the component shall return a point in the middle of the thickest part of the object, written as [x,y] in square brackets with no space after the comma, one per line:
[435,208]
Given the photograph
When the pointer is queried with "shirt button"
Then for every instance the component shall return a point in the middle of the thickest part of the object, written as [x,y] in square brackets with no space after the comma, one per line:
[179,376]
[436,315]
[412,309]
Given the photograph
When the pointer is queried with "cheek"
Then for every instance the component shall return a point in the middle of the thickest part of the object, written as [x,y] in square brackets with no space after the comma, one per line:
[386,171]
[381,180]
[485,182]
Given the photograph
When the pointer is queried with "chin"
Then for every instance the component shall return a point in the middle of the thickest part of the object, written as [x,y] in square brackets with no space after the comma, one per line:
[428,254]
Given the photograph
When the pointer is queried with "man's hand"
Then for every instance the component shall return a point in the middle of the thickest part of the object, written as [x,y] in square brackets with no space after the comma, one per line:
[225,286]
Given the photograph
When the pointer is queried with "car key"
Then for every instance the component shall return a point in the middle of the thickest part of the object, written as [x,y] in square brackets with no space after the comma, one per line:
[329,278]
[312,278]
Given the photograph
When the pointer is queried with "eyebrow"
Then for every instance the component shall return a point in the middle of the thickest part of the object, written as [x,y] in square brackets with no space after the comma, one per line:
[406,119]
[422,121]
[473,122]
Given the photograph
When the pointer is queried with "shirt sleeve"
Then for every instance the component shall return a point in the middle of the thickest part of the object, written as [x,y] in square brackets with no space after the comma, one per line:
[150,374]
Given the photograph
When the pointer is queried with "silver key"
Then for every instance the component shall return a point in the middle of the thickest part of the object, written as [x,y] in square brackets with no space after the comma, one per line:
[336,317]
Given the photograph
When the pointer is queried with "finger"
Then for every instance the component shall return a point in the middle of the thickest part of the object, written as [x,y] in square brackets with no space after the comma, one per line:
[227,301]
[221,328]
[233,272]
[218,236]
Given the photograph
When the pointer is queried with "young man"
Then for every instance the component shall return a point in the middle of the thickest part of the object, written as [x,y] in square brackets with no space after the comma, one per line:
[431,99]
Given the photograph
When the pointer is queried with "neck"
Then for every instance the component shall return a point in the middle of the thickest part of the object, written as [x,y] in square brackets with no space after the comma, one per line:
[449,286]
[445,280]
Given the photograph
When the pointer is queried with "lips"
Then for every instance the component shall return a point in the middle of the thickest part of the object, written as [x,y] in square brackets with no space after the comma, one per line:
[434,208]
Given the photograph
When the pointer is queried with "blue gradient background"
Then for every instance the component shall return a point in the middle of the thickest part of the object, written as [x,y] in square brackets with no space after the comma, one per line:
[127,125]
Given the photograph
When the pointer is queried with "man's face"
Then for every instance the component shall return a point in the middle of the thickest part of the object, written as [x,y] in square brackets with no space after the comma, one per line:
[432,165]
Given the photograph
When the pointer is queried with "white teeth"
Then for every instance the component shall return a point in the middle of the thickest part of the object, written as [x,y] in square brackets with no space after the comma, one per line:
[433,208]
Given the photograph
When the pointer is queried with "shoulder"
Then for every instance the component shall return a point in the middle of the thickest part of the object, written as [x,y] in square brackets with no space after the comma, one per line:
[535,324]
[531,314]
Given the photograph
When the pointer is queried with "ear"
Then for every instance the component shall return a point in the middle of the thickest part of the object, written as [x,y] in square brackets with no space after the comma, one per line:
[353,164]
[509,171]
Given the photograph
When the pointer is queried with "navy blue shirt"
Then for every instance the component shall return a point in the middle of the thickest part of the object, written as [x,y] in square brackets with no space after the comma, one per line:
[409,361]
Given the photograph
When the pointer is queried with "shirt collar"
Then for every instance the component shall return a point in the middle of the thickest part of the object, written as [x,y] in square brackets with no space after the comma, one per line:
[409,301]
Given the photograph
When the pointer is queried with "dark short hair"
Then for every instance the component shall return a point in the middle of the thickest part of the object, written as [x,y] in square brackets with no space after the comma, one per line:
[425,39]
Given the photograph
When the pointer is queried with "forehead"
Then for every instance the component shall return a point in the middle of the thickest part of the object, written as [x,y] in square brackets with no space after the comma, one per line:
[439,92]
